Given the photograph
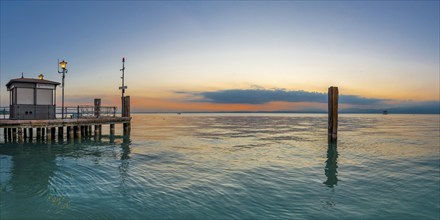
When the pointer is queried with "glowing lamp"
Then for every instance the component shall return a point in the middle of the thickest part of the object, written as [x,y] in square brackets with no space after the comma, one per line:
[63,64]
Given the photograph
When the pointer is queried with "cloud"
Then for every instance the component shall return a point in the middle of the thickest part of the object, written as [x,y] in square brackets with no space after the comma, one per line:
[428,107]
[262,96]
[407,107]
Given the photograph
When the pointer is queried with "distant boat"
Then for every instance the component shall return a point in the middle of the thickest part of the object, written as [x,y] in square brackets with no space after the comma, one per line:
[179,113]
[385,112]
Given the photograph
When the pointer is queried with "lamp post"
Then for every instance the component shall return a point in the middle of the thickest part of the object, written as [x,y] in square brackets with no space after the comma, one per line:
[63,65]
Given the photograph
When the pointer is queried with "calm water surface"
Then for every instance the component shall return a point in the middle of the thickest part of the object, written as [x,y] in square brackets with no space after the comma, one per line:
[231,166]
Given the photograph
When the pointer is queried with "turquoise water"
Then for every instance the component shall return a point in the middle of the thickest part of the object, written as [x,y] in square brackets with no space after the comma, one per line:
[231,166]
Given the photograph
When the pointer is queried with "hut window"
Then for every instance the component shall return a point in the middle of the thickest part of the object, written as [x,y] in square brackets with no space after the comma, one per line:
[44,97]
[25,96]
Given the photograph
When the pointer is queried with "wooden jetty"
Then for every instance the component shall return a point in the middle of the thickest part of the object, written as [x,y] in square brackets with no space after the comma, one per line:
[66,128]
[32,111]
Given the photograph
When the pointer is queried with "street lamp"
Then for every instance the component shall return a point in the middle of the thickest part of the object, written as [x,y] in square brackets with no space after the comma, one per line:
[63,65]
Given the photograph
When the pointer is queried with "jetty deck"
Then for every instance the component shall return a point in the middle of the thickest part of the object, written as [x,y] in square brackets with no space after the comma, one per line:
[49,129]
[9,123]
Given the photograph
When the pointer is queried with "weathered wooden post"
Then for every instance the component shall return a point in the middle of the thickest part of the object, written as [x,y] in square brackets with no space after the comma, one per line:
[53,132]
[70,134]
[43,133]
[14,134]
[68,131]
[112,129]
[48,134]
[20,134]
[5,133]
[96,130]
[77,131]
[31,133]
[60,133]
[38,133]
[333,95]
[9,134]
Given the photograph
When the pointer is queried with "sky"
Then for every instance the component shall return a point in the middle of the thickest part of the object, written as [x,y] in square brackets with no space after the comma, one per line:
[229,56]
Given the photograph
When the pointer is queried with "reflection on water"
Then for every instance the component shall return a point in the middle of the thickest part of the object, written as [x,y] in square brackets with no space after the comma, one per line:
[28,170]
[331,165]
[232,166]
[34,174]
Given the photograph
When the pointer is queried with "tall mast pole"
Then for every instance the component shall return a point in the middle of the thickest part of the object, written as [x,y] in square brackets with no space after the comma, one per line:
[123,87]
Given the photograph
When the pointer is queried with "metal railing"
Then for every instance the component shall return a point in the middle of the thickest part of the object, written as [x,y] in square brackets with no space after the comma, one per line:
[80,111]
[4,112]
[86,111]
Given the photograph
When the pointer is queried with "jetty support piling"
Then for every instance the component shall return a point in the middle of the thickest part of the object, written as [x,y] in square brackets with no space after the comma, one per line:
[9,134]
[60,133]
[76,132]
[53,132]
[20,135]
[38,133]
[69,132]
[112,129]
[333,96]
[48,134]
[53,129]
[14,134]
[96,130]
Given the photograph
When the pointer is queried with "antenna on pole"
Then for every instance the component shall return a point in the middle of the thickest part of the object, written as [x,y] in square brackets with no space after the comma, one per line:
[123,87]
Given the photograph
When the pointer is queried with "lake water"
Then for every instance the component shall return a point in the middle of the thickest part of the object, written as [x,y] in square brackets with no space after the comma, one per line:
[231,166]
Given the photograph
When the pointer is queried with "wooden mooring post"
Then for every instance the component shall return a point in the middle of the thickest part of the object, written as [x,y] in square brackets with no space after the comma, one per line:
[333,96]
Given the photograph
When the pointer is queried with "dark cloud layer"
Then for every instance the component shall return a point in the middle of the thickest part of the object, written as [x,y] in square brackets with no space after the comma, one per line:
[360,104]
[262,96]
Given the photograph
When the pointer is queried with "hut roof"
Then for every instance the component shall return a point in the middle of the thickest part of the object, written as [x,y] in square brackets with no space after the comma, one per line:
[31,80]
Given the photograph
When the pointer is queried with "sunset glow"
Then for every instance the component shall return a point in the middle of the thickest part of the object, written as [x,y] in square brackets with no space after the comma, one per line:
[380,50]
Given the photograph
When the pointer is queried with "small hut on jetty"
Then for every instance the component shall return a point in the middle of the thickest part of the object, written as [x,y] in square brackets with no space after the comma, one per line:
[33,113]
[32,98]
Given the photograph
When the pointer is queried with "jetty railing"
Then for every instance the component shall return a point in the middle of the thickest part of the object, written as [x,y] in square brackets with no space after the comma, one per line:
[4,112]
[87,111]
[80,111]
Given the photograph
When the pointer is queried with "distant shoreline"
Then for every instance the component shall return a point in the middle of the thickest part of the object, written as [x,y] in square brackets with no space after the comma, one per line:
[283,112]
